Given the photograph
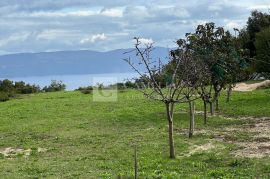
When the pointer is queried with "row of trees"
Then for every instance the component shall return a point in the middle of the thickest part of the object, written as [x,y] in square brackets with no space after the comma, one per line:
[205,62]
[9,89]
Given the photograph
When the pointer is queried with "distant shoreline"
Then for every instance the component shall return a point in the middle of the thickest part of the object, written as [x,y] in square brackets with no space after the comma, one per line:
[77,80]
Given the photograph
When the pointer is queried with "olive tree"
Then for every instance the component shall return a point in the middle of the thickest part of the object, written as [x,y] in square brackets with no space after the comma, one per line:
[215,48]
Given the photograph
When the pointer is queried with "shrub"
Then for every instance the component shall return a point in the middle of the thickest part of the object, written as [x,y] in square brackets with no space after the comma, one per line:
[85,90]
[22,88]
[7,86]
[130,84]
[4,97]
[122,86]
[10,89]
[55,86]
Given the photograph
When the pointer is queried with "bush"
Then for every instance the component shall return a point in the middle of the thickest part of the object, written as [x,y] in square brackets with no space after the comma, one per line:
[55,86]
[130,84]
[22,88]
[85,90]
[7,86]
[10,89]
[4,97]
[122,86]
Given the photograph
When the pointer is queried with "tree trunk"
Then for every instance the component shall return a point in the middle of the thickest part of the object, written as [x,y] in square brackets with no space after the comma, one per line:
[205,111]
[217,105]
[191,118]
[229,93]
[135,164]
[169,109]
[211,108]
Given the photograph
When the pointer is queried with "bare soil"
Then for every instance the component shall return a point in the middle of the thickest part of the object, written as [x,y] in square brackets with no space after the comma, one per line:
[10,152]
[251,87]
[255,144]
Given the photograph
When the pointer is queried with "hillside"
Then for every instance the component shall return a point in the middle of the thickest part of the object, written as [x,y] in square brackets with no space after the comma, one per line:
[67,135]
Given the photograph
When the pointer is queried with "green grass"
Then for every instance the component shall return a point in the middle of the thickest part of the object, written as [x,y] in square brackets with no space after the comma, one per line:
[255,103]
[87,139]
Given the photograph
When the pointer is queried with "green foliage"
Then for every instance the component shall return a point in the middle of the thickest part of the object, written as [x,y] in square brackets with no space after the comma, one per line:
[55,86]
[7,86]
[263,51]
[130,84]
[4,96]
[85,90]
[10,89]
[22,88]
[218,57]
[125,85]
[256,23]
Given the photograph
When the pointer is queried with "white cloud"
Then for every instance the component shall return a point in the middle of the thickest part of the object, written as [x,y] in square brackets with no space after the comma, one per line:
[215,8]
[14,38]
[177,11]
[259,7]
[93,38]
[112,12]
[62,14]
[231,24]
[51,34]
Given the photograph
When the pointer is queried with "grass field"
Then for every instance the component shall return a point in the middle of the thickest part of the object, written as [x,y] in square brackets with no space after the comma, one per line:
[70,136]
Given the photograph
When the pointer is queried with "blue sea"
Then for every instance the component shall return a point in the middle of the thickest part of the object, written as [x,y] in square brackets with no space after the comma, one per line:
[74,81]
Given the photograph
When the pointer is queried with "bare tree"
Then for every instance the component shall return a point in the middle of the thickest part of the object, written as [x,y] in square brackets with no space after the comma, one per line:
[156,75]
[190,72]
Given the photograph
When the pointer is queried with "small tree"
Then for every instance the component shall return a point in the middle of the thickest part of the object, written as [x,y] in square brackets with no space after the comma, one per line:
[238,63]
[191,73]
[156,75]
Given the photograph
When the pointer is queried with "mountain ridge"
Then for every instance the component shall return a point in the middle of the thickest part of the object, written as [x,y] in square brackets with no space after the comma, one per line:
[72,62]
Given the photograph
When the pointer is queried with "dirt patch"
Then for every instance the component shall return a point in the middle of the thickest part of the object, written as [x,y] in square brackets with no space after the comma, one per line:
[10,152]
[258,142]
[184,131]
[253,149]
[251,87]
[201,148]
[252,137]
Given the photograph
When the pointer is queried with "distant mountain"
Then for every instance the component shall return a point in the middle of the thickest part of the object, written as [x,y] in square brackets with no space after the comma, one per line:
[69,62]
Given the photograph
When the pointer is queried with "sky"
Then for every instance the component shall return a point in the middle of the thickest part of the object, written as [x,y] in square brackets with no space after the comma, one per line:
[102,25]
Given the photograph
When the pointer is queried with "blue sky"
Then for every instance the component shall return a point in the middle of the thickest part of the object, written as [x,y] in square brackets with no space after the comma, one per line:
[53,25]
